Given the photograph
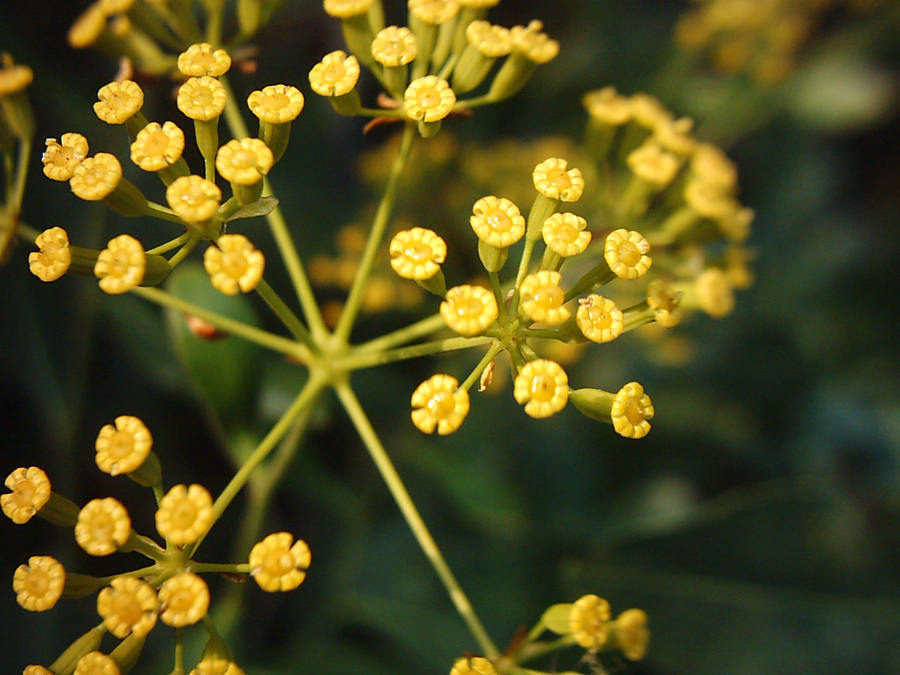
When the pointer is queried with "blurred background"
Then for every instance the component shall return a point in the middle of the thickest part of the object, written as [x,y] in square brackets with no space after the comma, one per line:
[758,524]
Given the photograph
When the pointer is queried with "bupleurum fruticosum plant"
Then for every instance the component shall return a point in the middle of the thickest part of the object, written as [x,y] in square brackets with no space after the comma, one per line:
[663,230]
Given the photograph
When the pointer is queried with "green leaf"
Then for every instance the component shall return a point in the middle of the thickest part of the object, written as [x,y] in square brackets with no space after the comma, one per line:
[261,207]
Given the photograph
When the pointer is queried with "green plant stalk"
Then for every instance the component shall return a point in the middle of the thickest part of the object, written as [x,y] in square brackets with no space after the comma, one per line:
[283,312]
[495,349]
[356,360]
[169,245]
[163,213]
[414,520]
[185,250]
[406,334]
[14,202]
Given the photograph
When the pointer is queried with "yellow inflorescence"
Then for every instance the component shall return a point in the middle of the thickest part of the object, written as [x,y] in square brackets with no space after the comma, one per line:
[185,514]
[61,157]
[394,46]
[553,179]
[119,101]
[202,98]
[184,600]
[276,104]
[542,298]
[469,310]
[565,235]
[439,403]
[128,606]
[417,253]
[477,665]
[277,563]
[103,526]
[212,665]
[54,256]
[157,146]
[201,59]
[96,663]
[245,161]
[589,621]
[497,221]
[598,319]
[39,584]
[492,41]
[121,265]
[428,99]
[631,634]
[234,264]
[542,386]
[434,11]
[96,177]
[30,492]
[631,411]
[335,75]
[626,254]
[345,9]
[124,447]
[193,199]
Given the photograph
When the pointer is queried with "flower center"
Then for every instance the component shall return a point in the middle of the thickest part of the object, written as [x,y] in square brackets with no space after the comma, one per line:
[469,308]
[548,297]
[543,388]
[181,601]
[498,220]
[442,404]
[334,72]
[634,412]
[278,562]
[184,515]
[23,492]
[157,143]
[244,159]
[567,232]
[202,96]
[629,253]
[418,252]
[127,608]
[600,318]
[37,583]
[234,264]
[118,100]
[119,264]
[102,527]
[559,178]
[276,101]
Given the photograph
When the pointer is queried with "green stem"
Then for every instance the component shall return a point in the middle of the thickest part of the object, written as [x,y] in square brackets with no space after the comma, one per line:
[283,312]
[163,213]
[217,568]
[185,250]
[414,520]
[412,332]
[498,295]
[495,349]
[382,216]
[356,360]
[14,204]
[169,245]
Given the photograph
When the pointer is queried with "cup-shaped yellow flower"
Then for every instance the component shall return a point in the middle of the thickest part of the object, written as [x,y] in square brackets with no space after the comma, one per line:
[653,165]
[94,178]
[128,607]
[439,403]
[428,99]
[245,161]
[121,265]
[542,386]
[194,199]
[13,77]
[96,663]
[554,180]
[54,256]
[589,621]
[103,526]
[157,146]
[497,221]
[626,254]
[40,583]
[598,319]
[542,299]
[277,563]
[36,670]
[434,12]
[185,514]
[212,665]
[119,101]
[607,107]
[201,59]
[30,492]
[531,48]
[675,136]
[648,112]
[565,234]
[346,9]
[469,310]
[335,75]
[184,600]
[202,98]
[714,293]
[533,43]
[631,411]
[61,157]
[712,165]
[492,41]
[234,264]
[417,253]
[276,104]
[630,634]
[485,43]
[664,302]
[124,447]
[477,665]
[394,46]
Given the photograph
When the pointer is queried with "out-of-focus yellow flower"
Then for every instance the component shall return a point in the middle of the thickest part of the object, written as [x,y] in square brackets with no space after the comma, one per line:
[713,166]
[124,447]
[128,607]
[13,77]
[116,6]
[647,111]
[428,99]
[664,303]
[553,179]
[607,106]
[477,665]
[542,298]
[335,75]
[201,59]
[103,526]
[492,41]
[277,563]
[276,104]
[497,221]
[234,264]
[654,165]
[94,178]
[96,663]
[36,670]
[631,411]
[626,254]
[394,46]
[417,253]
[439,403]
[434,11]
[202,98]
[39,584]
[715,294]
[598,319]
[212,665]
[121,265]
[157,146]
[469,310]
[30,492]
[565,235]
[184,600]
[193,199]
[630,633]
[536,45]
[676,136]
[54,257]
[245,161]
[87,27]
[61,157]
[119,101]
[589,621]
[542,386]
[185,514]
[345,9]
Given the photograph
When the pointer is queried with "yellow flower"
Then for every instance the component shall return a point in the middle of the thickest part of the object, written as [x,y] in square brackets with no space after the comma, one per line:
[61,158]
[118,101]
[116,6]
[124,447]
[630,634]
[647,111]
[279,564]
[103,526]
[128,607]
[193,199]
[653,164]
[709,199]
[345,9]
[394,46]
[233,264]
[30,492]
[589,621]
[607,106]
[185,514]
[184,600]
[675,136]
[39,584]
[335,75]
[121,265]
[626,254]
[712,165]
[542,298]
[542,386]
[96,177]
[479,4]
[13,78]
[36,670]
[276,104]
[244,161]
[715,294]
[157,147]
[599,319]
[54,257]
[96,663]
[87,27]
[553,180]
[469,310]
[439,403]
[497,221]
[533,44]
[434,11]
[664,303]
[216,666]
[565,235]
[417,253]
[631,410]
[492,41]
[477,665]
[200,59]
[202,98]
[428,99]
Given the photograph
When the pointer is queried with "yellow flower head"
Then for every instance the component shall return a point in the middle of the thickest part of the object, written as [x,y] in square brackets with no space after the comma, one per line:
[598,319]
[589,621]
[428,99]
[709,199]
[534,44]
[631,634]
[607,106]
[244,161]
[36,670]
[479,4]
[439,403]
[631,410]
[542,386]
[565,235]
[54,257]
[542,298]
[647,111]
[184,600]
[96,663]
[676,137]
[96,177]
[13,78]
[216,666]
[394,46]
[497,221]
[715,294]
[653,164]
[61,158]
[234,264]
[335,75]
[202,98]
[193,199]
[477,665]
[345,9]
[157,147]
[626,254]
[434,11]
[185,514]
[30,491]
[492,41]
[121,265]
[201,59]
[469,310]
[124,447]
[39,584]
[276,104]
[417,253]
[277,563]
[712,165]
[128,606]
[119,101]
[103,526]
[664,303]
[553,180]
[87,27]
